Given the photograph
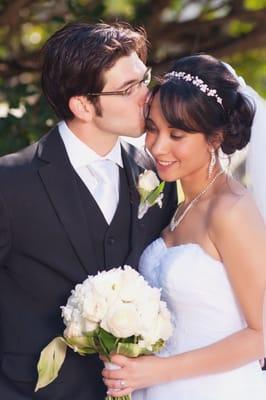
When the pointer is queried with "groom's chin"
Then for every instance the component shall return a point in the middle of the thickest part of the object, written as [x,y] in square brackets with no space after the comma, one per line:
[138,134]
[135,140]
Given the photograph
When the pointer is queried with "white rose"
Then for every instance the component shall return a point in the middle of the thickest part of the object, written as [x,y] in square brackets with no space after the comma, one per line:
[67,313]
[165,327]
[94,307]
[148,181]
[70,314]
[73,330]
[78,293]
[122,320]
[148,295]
[161,328]
[132,285]
[107,283]
[148,313]
[148,305]
[88,326]
[78,325]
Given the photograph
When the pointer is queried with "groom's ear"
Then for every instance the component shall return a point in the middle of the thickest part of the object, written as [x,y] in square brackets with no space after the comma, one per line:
[81,108]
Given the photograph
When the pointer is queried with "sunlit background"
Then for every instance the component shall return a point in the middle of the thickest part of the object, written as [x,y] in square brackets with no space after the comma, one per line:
[234,31]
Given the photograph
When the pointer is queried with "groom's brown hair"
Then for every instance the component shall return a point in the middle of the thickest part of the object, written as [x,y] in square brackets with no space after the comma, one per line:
[77,56]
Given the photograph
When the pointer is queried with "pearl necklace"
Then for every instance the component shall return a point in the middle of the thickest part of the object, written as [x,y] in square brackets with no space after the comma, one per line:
[174,223]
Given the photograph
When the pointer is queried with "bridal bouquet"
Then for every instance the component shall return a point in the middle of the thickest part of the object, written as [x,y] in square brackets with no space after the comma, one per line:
[115,311]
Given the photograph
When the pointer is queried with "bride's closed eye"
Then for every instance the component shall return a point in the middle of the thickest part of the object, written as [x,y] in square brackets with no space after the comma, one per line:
[175,136]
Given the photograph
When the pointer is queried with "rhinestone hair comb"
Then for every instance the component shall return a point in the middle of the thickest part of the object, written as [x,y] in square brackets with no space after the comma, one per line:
[196,81]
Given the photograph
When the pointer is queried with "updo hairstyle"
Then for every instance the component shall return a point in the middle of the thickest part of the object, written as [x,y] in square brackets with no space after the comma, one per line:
[185,106]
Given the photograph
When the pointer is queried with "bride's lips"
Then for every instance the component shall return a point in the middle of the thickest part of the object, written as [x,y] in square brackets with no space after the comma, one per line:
[165,164]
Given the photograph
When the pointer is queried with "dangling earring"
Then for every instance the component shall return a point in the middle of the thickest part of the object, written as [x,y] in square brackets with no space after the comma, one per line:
[212,163]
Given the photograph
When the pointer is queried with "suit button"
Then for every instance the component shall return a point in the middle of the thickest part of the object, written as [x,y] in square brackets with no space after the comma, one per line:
[111,240]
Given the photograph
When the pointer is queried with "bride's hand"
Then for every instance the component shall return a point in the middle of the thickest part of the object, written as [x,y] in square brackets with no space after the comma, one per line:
[134,373]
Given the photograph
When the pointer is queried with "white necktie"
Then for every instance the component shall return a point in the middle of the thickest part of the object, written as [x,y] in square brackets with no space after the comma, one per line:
[104,191]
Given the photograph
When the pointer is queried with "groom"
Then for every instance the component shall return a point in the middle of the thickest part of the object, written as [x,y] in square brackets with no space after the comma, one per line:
[69,204]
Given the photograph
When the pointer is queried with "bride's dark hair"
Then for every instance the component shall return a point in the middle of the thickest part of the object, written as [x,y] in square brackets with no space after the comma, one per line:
[186,107]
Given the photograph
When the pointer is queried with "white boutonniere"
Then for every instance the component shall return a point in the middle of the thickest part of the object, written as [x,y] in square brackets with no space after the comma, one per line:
[150,190]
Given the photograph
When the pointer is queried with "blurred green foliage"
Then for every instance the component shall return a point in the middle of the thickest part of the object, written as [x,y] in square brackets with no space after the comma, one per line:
[175,28]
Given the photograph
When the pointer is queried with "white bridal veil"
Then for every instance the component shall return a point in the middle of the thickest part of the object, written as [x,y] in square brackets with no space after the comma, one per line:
[256,160]
[256,156]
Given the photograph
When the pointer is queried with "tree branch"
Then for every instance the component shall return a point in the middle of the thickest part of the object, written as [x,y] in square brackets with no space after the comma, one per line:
[10,14]
[181,28]
[237,5]
[11,67]
[254,40]
[221,48]
[150,13]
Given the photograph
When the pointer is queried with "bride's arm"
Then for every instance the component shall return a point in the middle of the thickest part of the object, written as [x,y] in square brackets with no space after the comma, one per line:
[239,235]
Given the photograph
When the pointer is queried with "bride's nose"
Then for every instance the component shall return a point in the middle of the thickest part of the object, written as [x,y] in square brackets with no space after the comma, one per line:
[159,146]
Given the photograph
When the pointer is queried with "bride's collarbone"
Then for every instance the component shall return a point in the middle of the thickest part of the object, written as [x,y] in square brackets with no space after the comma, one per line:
[191,232]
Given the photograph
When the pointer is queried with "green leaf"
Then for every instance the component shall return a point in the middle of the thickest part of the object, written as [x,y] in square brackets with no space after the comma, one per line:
[130,349]
[108,341]
[102,347]
[143,194]
[158,346]
[50,362]
[83,344]
[155,193]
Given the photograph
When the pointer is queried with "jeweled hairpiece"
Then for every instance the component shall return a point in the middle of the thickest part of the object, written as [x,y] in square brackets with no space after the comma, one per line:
[196,81]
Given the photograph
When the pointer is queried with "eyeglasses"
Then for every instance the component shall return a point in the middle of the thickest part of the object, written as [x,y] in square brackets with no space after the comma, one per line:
[130,89]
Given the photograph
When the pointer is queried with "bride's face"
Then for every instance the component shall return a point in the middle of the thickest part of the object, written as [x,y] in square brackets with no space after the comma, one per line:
[178,154]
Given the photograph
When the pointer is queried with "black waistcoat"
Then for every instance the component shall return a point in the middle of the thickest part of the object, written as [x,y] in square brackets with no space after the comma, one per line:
[111,243]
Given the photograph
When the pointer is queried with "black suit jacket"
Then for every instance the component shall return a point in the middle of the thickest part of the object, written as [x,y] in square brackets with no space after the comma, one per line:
[45,249]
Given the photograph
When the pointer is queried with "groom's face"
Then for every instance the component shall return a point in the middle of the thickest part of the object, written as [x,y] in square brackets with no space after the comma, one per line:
[122,115]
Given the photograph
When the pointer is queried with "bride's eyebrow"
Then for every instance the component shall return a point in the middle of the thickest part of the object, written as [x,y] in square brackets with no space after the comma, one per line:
[150,124]
[148,119]
[173,127]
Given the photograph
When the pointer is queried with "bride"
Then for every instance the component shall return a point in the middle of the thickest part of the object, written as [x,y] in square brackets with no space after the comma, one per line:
[211,260]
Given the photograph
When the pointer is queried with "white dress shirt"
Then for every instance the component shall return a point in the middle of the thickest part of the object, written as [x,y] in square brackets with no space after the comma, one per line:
[99,174]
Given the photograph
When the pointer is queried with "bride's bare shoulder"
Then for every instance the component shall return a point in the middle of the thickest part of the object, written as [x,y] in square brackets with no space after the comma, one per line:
[233,205]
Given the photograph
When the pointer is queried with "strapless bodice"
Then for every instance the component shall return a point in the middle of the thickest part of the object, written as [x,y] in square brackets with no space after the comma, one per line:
[197,291]
[204,310]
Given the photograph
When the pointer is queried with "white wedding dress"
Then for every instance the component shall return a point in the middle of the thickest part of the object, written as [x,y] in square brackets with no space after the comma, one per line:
[204,310]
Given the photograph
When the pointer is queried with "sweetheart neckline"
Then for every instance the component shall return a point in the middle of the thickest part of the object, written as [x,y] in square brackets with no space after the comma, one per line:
[189,244]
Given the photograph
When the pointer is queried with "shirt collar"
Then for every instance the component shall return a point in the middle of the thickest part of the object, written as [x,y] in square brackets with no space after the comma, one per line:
[80,154]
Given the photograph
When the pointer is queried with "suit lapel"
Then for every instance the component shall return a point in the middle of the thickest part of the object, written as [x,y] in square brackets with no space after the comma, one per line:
[59,180]
[132,171]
